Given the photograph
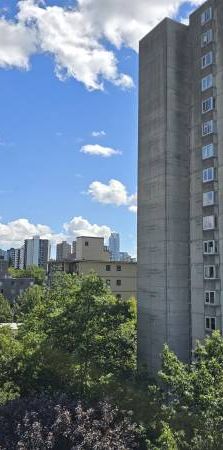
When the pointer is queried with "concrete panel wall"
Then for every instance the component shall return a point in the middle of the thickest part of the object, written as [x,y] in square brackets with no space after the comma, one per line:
[163,215]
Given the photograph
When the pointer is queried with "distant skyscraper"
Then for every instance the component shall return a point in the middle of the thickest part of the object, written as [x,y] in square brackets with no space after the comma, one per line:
[114,246]
[36,252]
[3,254]
[63,251]
[11,257]
[15,257]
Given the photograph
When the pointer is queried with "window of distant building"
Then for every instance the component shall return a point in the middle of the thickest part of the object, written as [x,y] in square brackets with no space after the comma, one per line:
[207,151]
[118,282]
[209,272]
[207,82]
[209,297]
[86,243]
[207,127]
[206,37]
[119,268]
[210,247]
[108,282]
[208,105]
[208,223]
[210,323]
[206,60]
[208,198]
[208,174]
[206,16]
[108,268]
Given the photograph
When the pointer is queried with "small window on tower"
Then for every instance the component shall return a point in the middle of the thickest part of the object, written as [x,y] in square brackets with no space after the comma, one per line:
[206,16]
[210,323]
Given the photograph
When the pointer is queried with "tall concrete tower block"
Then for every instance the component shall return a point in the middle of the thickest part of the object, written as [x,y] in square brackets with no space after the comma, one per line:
[180,220]
[206,169]
[164,194]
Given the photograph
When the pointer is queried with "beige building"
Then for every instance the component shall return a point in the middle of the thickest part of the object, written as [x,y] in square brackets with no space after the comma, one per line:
[91,248]
[93,256]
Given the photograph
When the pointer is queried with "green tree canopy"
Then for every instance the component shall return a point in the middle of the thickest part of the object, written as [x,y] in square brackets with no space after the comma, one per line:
[75,335]
[35,272]
[30,298]
[192,396]
[6,314]
[81,320]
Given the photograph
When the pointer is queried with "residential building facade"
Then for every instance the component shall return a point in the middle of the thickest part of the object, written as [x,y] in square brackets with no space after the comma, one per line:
[91,248]
[3,268]
[180,215]
[63,251]
[36,252]
[93,256]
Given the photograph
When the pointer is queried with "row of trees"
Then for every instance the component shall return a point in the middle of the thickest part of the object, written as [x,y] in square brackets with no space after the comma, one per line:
[69,374]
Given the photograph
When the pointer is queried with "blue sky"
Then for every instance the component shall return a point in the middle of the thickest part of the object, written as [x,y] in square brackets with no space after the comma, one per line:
[44,122]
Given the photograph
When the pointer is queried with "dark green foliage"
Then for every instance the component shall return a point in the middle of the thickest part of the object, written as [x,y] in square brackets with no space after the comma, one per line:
[27,301]
[75,336]
[6,314]
[192,396]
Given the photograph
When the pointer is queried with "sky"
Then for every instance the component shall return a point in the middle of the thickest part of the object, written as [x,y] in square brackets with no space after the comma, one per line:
[68,116]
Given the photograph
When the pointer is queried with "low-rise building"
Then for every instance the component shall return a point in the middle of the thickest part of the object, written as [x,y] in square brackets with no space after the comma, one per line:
[11,288]
[93,256]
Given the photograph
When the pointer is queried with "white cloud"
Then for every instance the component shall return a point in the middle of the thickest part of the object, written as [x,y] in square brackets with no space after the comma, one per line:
[12,234]
[98,133]
[133,208]
[113,193]
[99,150]
[79,226]
[74,43]
[17,44]
[77,37]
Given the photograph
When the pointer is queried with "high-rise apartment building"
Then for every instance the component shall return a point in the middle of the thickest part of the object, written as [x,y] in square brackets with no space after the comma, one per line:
[36,252]
[3,254]
[180,215]
[63,251]
[114,246]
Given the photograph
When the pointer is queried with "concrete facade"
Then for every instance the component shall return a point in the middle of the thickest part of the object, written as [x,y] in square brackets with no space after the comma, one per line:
[119,276]
[11,288]
[63,250]
[36,252]
[91,248]
[93,256]
[180,191]
[3,268]
[163,214]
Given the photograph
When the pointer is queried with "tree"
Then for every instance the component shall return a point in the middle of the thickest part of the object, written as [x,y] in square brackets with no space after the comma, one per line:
[6,314]
[10,355]
[35,272]
[192,395]
[75,335]
[29,299]
[62,423]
